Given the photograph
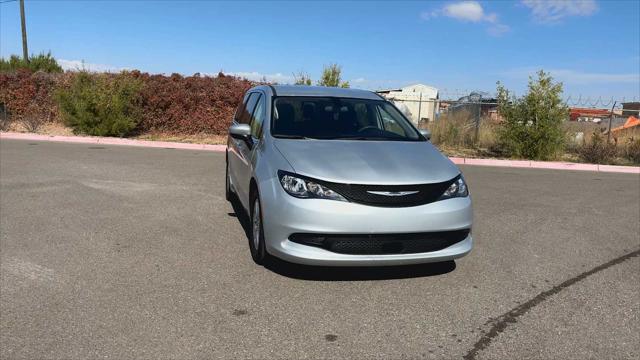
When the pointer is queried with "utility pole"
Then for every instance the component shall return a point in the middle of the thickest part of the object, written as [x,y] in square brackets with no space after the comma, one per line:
[610,119]
[25,51]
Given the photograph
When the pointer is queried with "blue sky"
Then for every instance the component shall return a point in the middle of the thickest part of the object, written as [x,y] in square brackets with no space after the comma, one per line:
[457,46]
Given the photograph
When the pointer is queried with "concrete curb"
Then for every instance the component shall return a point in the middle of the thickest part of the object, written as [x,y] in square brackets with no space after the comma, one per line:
[547,165]
[206,147]
[111,141]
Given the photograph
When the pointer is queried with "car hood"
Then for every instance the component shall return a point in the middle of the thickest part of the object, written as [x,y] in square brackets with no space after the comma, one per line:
[368,162]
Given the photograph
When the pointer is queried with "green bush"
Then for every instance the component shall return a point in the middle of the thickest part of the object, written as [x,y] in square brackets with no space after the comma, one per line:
[41,62]
[532,126]
[101,104]
[331,76]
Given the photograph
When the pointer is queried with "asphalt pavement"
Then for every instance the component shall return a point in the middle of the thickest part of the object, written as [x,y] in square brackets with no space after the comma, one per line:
[121,252]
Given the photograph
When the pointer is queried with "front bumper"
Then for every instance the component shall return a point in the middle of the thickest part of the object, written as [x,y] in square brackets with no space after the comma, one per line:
[284,215]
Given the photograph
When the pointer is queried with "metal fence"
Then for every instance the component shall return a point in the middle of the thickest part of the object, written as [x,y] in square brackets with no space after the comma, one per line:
[427,110]
[473,109]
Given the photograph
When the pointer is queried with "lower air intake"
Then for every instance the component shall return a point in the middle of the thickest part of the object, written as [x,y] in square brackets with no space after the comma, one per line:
[379,244]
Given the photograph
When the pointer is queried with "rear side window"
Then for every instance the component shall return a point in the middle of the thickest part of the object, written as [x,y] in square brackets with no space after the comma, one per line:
[243,113]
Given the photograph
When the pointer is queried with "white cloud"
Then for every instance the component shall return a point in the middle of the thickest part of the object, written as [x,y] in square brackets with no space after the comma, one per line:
[492,17]
[465,11]
[428,15]
[575,77]
[498,29]
[469,11]
[359,80]
[256,76]
[552,11]
[77,65]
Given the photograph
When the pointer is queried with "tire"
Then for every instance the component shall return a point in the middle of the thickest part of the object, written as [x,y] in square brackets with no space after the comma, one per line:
[228,194]
[256,240]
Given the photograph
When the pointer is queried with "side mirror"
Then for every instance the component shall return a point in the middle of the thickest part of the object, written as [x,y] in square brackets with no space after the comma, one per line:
[240,131]
[426,133]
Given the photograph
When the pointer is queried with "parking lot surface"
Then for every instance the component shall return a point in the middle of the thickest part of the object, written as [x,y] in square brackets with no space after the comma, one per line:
[120,252]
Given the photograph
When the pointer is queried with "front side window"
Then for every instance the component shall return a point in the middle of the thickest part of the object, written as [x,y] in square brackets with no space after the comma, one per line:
[243,114]
[258,118]
[340,119]
[389,114]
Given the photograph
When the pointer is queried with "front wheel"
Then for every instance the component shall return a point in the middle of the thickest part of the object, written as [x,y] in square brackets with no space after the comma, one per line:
[256,242]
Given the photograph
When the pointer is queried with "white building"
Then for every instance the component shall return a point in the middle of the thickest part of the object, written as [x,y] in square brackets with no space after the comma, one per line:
[419,102]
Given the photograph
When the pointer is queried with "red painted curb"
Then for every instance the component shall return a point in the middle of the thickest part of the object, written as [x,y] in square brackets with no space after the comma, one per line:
[619,169]
[206,147]
[112,141]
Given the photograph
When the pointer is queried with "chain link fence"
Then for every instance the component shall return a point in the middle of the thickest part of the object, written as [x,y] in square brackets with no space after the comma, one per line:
[466,122]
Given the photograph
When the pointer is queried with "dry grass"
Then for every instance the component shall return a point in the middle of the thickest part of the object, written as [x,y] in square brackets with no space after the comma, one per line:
[456,135]
[584,127]
[628,141]
[47,128]
[55,128]
[193,139]
[622,148]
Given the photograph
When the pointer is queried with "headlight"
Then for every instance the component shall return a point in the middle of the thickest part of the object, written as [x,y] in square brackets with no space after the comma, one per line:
[457,189]
[306,188]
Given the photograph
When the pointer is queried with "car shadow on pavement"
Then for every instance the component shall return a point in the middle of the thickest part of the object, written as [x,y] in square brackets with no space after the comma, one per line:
[349,273]
[341,273]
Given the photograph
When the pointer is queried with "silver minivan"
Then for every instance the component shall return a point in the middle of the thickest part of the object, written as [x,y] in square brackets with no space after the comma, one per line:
[340,177]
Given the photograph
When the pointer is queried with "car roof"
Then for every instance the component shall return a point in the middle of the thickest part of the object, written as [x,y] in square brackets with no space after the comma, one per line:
[320,91]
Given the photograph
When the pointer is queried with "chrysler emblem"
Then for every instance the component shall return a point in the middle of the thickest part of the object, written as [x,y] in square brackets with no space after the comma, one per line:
[393,193]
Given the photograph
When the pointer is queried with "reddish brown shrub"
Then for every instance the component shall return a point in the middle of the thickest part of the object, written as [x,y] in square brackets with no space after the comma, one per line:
[169,104]
[189,105]
[28,97]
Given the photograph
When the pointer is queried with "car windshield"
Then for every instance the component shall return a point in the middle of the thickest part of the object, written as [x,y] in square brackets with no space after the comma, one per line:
[331,118]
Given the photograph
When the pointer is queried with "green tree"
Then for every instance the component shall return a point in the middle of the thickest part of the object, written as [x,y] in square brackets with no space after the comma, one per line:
[41,62]
[331,77]
[101,104]
[532,126]
[302,78]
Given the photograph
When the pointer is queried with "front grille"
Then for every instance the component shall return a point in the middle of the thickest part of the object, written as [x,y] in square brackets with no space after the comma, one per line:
[378,244]
[424,193]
